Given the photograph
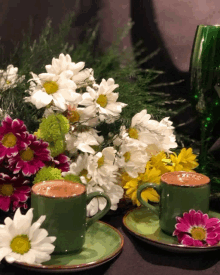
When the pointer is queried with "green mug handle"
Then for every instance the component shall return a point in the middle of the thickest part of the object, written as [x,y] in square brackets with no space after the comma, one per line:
[100,214]
[144,203]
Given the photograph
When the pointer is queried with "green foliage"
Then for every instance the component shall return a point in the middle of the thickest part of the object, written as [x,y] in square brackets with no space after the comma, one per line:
[137,87]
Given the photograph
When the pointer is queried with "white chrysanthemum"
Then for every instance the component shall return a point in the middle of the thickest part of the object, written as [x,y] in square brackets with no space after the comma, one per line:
[64,63]
[83,77]
[148,132]
[20,241]
[133,159]
[102,167]
[85,116]
[104,100]
[114,191]
[51,88]
[83,141]
[79,168]
[10,78]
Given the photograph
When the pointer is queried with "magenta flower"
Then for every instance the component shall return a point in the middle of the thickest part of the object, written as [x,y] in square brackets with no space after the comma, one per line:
[32,158]
[62,162]
[13,191]
[197,229]
[12,133]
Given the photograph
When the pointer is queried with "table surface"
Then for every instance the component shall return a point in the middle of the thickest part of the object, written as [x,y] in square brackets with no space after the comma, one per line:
[138,257]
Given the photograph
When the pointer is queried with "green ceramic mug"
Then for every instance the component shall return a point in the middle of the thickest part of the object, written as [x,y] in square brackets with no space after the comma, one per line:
[179,192]
[64,204]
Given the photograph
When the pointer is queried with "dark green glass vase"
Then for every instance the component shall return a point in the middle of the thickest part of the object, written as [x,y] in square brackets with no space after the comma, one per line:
[205,84]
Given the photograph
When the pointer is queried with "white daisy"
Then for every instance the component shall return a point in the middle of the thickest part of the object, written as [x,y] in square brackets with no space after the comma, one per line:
[83,141]
[51,88]
[10,78]
[132,158]
[79,168]
[64,63]
[102,167]
[147,132]
[20,241]
[86,76]
[85,116]
[104,100]
[115,193]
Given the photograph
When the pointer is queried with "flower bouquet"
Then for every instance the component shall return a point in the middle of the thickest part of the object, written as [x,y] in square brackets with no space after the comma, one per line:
[70,143]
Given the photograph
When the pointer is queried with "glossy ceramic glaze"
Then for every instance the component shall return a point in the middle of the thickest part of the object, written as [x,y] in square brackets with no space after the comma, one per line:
[144,224]
[66,218]
[102,243]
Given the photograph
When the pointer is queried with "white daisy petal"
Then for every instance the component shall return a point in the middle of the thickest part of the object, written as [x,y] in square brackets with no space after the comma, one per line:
[45,247]
[38,236]
[7,221]
[28,257]
[41,256]
[12,257]
[4,251]
[35,226]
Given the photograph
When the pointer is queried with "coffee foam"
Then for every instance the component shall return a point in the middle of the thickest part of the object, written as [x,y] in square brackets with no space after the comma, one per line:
[185,178]
[58,188]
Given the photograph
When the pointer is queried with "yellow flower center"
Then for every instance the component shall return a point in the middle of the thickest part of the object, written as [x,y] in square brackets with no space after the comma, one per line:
[198,233]
[133,133]
[27,154]
[8,82]
[127,156]
[9,140]
[74,116]
[102,100]
[20,244]
[100,161]
[6,189]
[84,173]
[51,87]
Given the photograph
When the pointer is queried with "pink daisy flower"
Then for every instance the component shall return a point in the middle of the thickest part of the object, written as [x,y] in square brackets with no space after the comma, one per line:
[32,158]
[62,162]
[12,133]
[197,229]
[13,190]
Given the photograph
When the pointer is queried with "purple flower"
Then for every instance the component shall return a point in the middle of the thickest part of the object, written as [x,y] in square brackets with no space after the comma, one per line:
[31,158]
[62,162]
[13,191]
[12,133]
[197,229]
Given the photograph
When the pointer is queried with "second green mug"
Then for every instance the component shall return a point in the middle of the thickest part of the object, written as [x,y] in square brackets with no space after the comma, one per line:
[179,192]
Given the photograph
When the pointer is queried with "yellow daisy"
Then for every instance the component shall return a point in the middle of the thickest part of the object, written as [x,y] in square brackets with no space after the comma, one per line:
[150,175]
[185,161]
[160,162]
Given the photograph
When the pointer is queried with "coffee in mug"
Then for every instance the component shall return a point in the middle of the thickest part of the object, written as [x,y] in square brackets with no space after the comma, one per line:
[64,204]
[59,189]
[179,192]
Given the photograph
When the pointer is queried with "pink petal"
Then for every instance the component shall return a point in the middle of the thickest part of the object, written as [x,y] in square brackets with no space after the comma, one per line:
[198,243]
[20,197]
[5,203]
[211,222]
[182,227]
[23,189]
[212,235]
[212,241]
[187,240]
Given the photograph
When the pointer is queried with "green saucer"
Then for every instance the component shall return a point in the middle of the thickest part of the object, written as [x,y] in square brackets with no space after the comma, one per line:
[103,243]
[143,224]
